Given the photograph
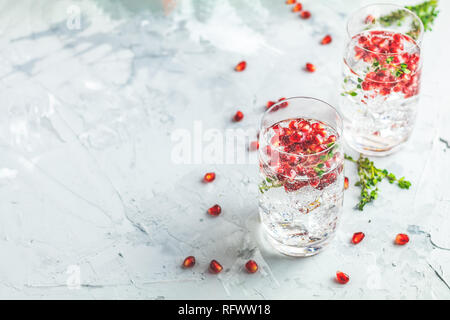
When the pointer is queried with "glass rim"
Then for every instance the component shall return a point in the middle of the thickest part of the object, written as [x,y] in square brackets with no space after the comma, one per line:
[339,129]
[417,42]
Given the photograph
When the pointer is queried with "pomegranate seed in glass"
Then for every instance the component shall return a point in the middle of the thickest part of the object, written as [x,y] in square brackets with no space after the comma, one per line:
[301,168]
[381,78]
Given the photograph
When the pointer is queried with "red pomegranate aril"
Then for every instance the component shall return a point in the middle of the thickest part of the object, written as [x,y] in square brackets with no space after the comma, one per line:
[215,210]
[189,262]
[317,127]
[293,125]
[295,138]
[345,183]
[241,66]
[331,139]
[284,104]
[251,266]
[314,182]
[215,267]
[254,145]
[305,14]
[401,239]
[238,116]
[341,277]
[310,67]
[304,126]
[209,177]
[358,237]
[291,1]
[269,104]
[298,7]
[369,19]
[318,139]
[326,40]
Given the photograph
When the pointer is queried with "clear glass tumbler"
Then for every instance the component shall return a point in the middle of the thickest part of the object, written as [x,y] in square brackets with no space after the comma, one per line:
[301,167]
[381,78]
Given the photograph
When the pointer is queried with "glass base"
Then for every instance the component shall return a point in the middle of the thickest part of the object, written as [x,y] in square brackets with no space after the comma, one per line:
[373,148]
[293,251]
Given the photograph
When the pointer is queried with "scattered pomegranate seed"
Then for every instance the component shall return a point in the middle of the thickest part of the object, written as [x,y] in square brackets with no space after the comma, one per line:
[241,66]
[290,1]
[254,145]
[238,116]
[326,40]
[345,183]
[298,7]
[215,210]
[209,177]
[305,14]
[358,237]
[251,266]
[310,67]
[215,267]
[189,262]
[341,277]
[401,239]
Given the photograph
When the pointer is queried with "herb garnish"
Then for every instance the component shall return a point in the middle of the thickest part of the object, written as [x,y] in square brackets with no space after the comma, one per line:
[426,11]
[369,177]
[268,184]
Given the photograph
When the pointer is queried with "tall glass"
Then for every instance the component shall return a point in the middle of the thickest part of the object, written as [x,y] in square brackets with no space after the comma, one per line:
[301,168]
[381,78]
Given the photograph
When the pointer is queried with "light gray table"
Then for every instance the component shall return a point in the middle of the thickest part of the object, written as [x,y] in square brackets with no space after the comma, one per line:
[92,205]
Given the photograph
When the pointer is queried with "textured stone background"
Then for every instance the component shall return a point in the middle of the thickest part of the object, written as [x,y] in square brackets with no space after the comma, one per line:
[89,193]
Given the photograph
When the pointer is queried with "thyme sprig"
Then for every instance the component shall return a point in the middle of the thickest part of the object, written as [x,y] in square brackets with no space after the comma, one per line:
[369,177]
[269,183]
[427,12]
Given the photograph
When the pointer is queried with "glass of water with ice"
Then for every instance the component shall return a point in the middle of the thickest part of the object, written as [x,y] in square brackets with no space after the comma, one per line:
[381,78]
[301,175]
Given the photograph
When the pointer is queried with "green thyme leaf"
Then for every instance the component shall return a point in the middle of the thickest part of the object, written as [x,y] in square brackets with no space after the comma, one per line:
[369,177]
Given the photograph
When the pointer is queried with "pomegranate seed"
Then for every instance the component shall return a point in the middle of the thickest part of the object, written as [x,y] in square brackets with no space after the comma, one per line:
[269,104]
[358,237]
[251,266]
[209,177]
[290,1]
[341,277]
[345,183]
[369,19]
[284,104]
[254,145]
[189,262]
[326,40]
[318,139]
[310,67]
[241,66]
[305,14]
[401,239]
[215,267]
[238,116]
[298,7]
[331,139]
[215,210]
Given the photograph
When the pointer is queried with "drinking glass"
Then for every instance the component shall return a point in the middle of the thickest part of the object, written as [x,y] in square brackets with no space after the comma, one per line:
[381,78]
[301,175]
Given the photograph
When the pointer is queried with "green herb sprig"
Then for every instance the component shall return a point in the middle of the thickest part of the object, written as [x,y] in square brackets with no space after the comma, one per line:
[369,177]
[267,184]
[427,12]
